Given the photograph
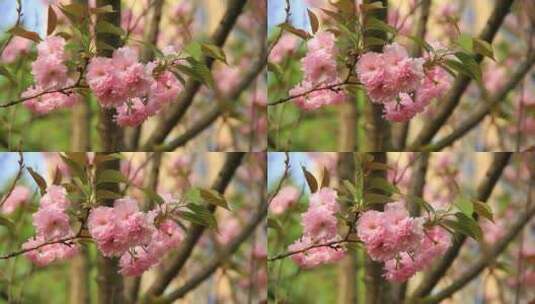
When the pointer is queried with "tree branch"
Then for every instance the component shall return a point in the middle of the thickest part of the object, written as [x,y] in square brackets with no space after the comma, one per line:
[432,126]
[178,109]
[484,191]
[195,232]
[485,108]
[475,269]
[210,117]
[111,135]
[224,254]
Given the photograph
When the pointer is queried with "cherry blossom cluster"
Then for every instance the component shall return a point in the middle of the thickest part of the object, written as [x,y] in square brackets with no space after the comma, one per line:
[399,82]
[51,222]
[400,241]
[126,232]
[136,90]
[319,68]
[51,75]
[319,227]
[139,238]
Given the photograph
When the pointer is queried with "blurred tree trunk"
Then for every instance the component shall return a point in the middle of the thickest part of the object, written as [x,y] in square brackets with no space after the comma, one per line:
[110,282]
[378,290]
[80,142]
[81,122]
[111,134]
[379,136]
[347,268]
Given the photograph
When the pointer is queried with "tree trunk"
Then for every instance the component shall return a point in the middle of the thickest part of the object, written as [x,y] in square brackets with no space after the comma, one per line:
[347,268]
[378,290]
[379,134]
[109,281]
[111,134]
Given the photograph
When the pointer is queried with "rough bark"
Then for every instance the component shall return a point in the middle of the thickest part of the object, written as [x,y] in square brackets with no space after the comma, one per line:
[347,268]
[378,290]
[380,132]
[195,232]
[109,281]
[111,134]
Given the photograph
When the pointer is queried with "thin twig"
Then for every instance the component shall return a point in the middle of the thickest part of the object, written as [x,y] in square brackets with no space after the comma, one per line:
[15,181]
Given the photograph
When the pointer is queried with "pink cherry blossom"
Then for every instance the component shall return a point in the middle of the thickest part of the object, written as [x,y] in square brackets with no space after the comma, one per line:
[322,41]
[286,197]
[55,197]
[47,254]
[325,197]
[50,73]
[286,45]
[319,66]
[51,223]
[310,98]
[315,256]
[132,113]
[319,223]
[16,198]
[46,103]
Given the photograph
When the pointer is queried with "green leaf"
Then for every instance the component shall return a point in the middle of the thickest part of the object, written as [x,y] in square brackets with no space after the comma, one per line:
[39,180]
[373,23]
[274,224]
[104,26]
[107,195]
[366,7]
[465,205]
[4,71]
[52,20]
[483,47]
[198,71]
[75,167]
[373,41]
[58,177]
[275,69]
[7,222]
[153,196]
[214,51]
[465,225]
[215,198]
[75,9]
[420,42]
[314,21]
[465,41]
[200,215]
[102,158]
[380,183]
[298,32]
[471,64]
[484,210]
[21,32]
[311,180]
[110,176]
[376,166]
[106,9]
[326,179]
[375,198]
[420,201]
